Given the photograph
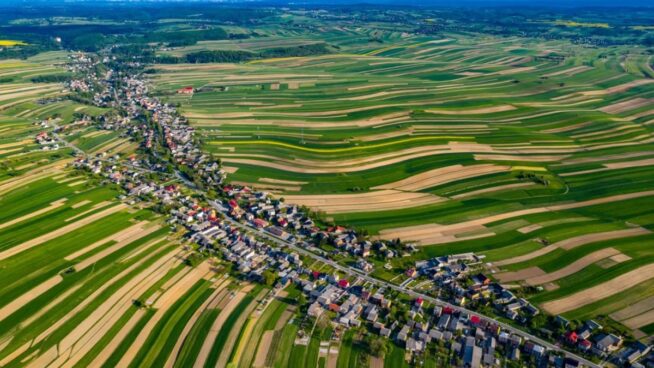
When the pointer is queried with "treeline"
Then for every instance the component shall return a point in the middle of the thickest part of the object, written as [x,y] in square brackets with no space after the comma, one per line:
[51,78]
[236,56]
[95,41]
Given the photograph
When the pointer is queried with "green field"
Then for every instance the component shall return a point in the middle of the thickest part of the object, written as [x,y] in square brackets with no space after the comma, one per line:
[534,152]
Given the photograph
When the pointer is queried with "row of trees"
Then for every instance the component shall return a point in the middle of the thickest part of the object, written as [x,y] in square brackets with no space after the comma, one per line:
[236,56]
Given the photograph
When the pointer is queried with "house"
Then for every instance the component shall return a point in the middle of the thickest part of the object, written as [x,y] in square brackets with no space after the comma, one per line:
[371,313]
[584,345]
[186,91]
[472,356]
[443,321]
[260,223]
[315,310]
[571,337]
[607,343]
[404,333]
[413,345]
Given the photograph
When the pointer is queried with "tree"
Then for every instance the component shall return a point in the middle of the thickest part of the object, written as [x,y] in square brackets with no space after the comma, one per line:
[376,345]
[301,299]
[268,277]
[194,259]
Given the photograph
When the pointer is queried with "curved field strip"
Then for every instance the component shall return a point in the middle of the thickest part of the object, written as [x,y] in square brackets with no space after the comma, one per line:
[232,336]
[443,175]
[339,150]
[599,292]
[477,111]
[574,242]
[494,189]
[377,200]
[124,237]
[437,233]
[574,267]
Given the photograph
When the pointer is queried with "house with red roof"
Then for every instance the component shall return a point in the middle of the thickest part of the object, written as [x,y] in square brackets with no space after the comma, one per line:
[186,91]
[260,223]
[344,283]
[571,337]
[419,302]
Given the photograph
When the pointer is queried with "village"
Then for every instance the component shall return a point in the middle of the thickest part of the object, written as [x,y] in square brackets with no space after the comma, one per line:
[272,242]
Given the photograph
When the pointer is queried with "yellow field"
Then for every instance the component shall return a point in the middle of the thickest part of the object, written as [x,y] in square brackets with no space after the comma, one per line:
[7,43]
[569,23]
[335,150]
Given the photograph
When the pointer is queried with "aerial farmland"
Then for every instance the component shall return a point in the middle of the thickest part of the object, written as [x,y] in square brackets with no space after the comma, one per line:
[291,187]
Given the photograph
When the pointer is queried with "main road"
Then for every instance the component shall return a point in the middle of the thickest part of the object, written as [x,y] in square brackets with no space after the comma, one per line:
[381,283]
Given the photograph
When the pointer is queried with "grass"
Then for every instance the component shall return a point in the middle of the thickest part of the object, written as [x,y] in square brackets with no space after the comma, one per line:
[285,346]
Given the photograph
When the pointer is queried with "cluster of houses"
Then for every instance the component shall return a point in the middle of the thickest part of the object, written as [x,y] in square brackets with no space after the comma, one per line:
[46,141]
[472,338]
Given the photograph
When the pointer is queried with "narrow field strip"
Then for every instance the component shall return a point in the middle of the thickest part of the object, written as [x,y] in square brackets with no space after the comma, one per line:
[378,200]
[54,205]
[640,321]
[203,355]
[633,310]
[442,176]
[172,358]
[124,236]
[60,231]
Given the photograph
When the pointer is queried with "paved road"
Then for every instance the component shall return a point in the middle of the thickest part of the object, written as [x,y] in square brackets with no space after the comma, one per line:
[381,283]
